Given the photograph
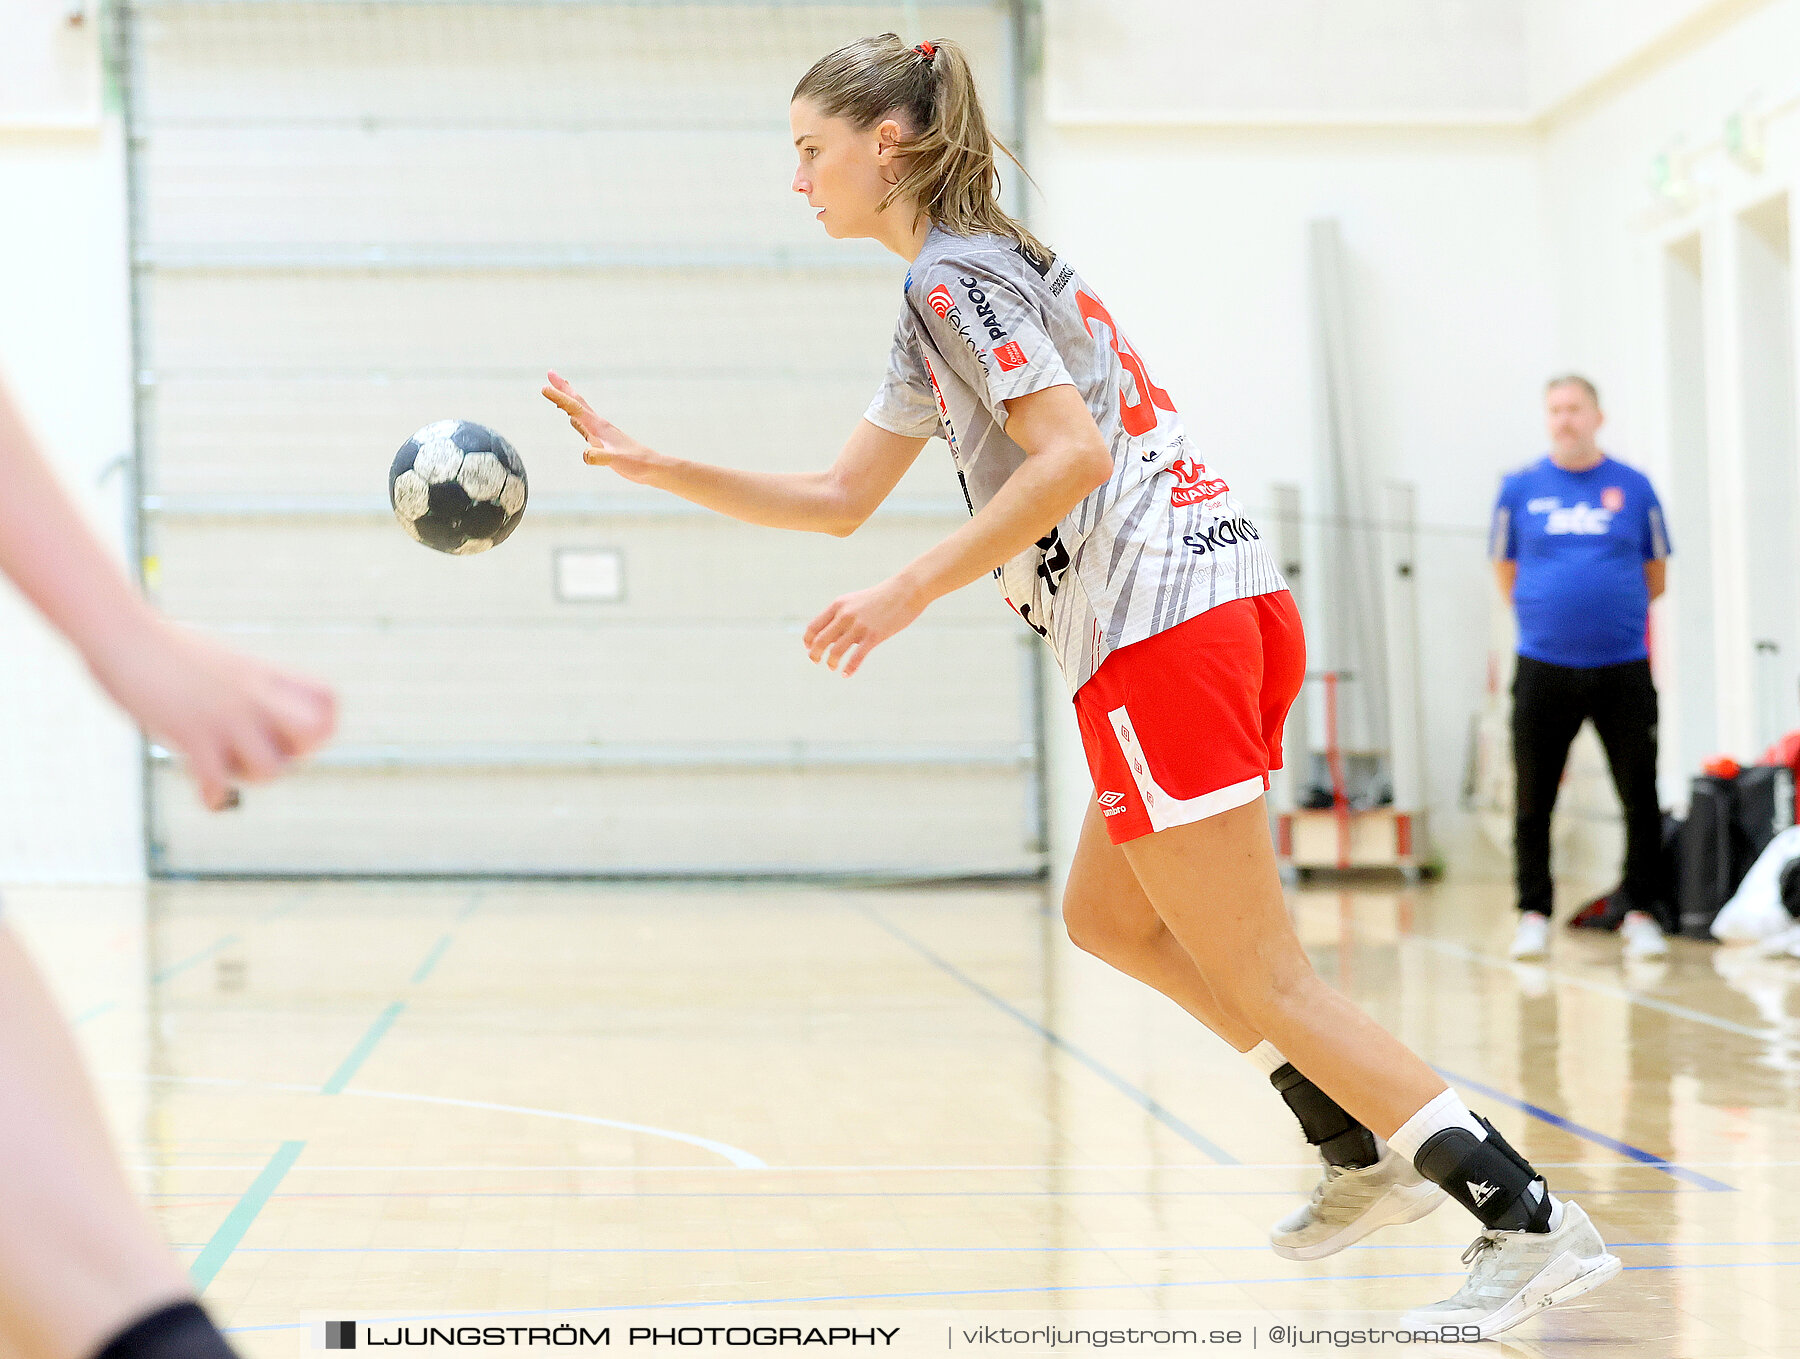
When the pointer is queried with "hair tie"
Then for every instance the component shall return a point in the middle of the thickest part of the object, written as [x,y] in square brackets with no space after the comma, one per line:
[927,50]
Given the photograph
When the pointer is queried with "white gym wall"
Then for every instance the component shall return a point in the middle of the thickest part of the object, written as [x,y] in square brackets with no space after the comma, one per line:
[359,219]
[1493,191]
[1490,165]
[1643,282]
[69,800]
[1188,207]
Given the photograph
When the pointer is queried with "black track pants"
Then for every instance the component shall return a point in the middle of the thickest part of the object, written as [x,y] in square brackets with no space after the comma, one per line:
[1550,702]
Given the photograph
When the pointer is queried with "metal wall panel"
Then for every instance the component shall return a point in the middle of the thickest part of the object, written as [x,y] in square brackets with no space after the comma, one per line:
[517,821]
[352,219]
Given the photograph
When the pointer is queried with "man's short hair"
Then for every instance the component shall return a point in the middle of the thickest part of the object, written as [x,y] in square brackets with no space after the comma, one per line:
[1574,380]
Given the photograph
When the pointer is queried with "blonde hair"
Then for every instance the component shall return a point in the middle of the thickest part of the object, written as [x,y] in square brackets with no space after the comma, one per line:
[952,174]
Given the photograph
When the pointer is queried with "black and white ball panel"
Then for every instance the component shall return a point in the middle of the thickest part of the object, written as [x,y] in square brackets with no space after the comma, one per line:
[458,487]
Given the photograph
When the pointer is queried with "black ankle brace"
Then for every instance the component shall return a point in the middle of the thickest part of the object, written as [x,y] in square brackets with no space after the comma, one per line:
[1341,1140]
[1488,1178]
[183,1331]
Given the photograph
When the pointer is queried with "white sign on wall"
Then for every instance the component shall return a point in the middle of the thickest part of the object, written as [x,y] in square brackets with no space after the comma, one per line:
[589,575]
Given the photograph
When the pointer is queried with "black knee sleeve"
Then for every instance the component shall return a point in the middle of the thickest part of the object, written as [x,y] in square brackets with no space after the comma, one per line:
[179,1332]
[1341,1140]
[1488,1178]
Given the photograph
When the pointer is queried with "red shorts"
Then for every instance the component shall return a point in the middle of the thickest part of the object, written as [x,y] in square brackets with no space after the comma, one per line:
[1187,724]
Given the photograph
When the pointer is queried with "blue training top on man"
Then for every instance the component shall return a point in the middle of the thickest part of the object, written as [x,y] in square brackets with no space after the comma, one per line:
[1581,540]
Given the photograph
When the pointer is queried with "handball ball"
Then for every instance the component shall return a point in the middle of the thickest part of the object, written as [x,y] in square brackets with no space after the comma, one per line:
[458,487]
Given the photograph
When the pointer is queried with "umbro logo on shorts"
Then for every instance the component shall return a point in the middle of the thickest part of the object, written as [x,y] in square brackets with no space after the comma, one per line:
[1113,802]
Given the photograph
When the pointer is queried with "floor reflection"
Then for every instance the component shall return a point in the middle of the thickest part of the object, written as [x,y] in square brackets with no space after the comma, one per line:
[460,1097]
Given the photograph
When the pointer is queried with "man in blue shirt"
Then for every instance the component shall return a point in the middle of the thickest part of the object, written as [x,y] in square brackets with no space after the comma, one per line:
[1581,549]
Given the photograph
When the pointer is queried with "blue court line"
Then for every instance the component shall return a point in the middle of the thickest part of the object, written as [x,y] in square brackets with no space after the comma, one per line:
[1148,1286]
[193,1197]
[1599,1139]
[106,1006]
[925,1250]
[1589,984]
[1724,1264]
[364,1046]
[1131,1092]
[288,907]
[173,968]
[231,1231]
[431,959]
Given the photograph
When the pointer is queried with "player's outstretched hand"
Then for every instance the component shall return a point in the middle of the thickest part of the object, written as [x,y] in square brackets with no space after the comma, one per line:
[854,625]
[607,444]
[233,719]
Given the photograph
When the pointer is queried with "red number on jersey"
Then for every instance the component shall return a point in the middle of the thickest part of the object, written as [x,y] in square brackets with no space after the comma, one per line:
[1138,417]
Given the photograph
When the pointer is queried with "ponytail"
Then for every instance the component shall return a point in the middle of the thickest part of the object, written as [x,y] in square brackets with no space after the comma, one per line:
[952,173]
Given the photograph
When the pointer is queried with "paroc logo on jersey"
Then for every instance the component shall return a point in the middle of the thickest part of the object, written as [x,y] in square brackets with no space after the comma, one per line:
[941,301]
[984,310]
[1192,485]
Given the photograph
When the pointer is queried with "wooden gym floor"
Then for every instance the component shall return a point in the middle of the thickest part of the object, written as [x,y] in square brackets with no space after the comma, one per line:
[545,1102]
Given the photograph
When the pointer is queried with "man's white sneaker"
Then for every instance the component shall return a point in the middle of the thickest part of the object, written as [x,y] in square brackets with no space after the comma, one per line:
[1515,1275]
[1347,1205]
[1532,939]
[1777,945]
[1643,936]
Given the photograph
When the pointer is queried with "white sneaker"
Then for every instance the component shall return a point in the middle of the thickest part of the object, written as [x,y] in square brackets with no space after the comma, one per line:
[1347,1205]
[1643,936]
[1777,945]
[1532,939]
[1515,1275]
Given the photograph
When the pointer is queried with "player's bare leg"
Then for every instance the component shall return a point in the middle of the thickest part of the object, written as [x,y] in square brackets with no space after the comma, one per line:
[1364,1186]
[82,1273]
[79,1263]
[1108,915]
[1215,885]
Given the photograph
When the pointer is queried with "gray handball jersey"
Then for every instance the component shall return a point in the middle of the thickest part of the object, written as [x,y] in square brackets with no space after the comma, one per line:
[1162,542]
